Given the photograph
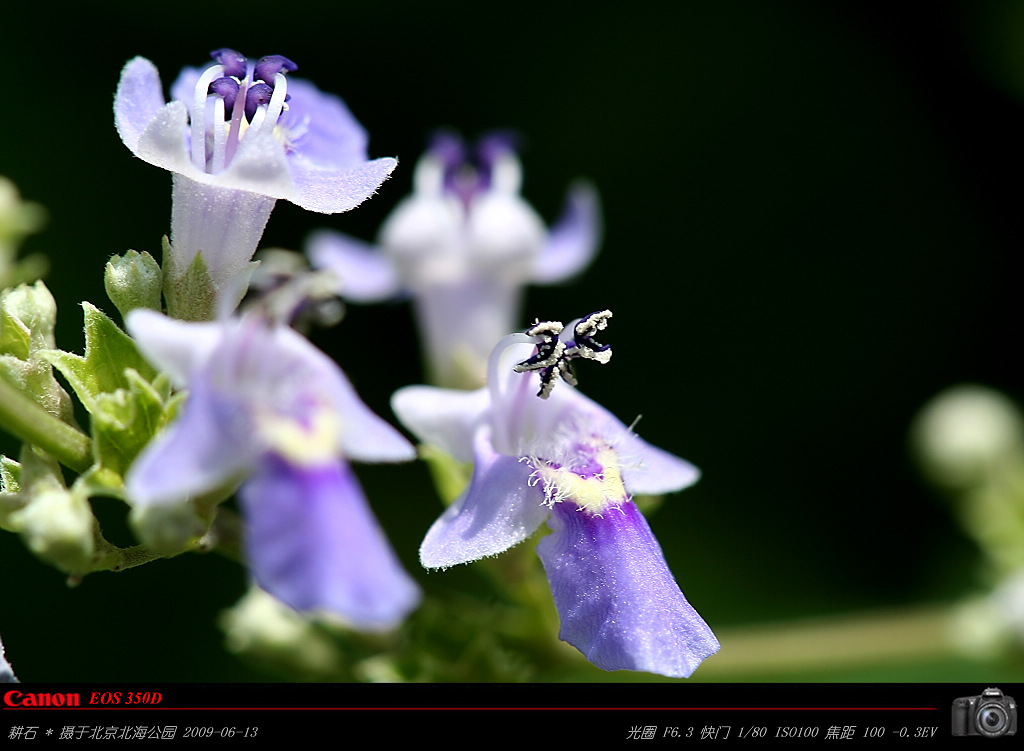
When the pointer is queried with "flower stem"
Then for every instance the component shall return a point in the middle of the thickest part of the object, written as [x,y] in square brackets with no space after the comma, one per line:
[121,559]
[922,632]
[224,537]
[24,418]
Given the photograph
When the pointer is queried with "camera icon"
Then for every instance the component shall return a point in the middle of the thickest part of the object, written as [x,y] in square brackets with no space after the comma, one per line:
[992,714]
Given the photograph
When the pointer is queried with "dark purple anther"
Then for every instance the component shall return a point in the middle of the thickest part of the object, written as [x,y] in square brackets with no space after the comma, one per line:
[493,146]
[257,94]
[559,346]
[467,174]
[271,65]
[233,62]
[587,328]
[448,147]
[227,89]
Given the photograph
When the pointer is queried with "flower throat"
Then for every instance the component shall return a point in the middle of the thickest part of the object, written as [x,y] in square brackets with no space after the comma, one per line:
[245,99]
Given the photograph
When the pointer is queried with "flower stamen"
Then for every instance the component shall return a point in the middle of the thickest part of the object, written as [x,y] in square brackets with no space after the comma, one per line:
[559,345]
[243,104]
[202,90]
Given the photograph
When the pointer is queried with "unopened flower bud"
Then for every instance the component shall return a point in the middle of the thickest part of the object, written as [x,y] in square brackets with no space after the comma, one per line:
[167,527]
[966,432]
[132,281]
[57,525]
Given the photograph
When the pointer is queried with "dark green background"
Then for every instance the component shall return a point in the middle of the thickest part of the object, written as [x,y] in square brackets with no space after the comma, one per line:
[812,227]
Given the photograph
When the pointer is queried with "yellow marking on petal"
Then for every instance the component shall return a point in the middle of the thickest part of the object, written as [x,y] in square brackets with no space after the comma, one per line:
[303,445]
[595,494]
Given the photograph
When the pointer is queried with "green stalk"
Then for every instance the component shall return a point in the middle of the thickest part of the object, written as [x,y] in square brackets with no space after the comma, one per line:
[25,419]
[852,640]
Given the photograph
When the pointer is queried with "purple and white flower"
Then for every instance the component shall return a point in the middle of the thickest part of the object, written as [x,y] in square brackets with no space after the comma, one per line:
[567,460]
[239,135]
[269,410]
[464,245]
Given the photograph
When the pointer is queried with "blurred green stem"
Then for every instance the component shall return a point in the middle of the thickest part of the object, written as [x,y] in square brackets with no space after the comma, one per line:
[223,536]
[22,417]
[848,640]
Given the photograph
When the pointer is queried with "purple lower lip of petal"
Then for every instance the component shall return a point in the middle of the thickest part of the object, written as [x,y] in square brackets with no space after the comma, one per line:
[616,598]
[313,543]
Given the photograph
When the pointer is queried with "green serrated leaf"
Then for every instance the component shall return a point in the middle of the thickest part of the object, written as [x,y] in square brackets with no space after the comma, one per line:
[162,384]
[126,420]
[108,353]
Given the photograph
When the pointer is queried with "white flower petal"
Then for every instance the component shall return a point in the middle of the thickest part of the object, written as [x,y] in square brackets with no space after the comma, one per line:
[330,191]
[501,508]
[138,100]
[364,436]
[446,418]
[573,241]
[364,273]
[177,347]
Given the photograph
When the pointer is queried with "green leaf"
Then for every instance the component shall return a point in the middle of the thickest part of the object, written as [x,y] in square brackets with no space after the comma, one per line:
[109,353]
[14,335]
[28,314]
[10,475]
[10,490]
[124,421]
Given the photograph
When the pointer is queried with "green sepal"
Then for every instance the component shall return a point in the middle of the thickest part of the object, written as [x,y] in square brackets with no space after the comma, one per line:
[28,315]
[191,295]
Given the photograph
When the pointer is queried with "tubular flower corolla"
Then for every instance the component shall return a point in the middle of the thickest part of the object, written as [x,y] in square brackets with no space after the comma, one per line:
[464,245]
[567,460]
[239,135]
[266,408]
